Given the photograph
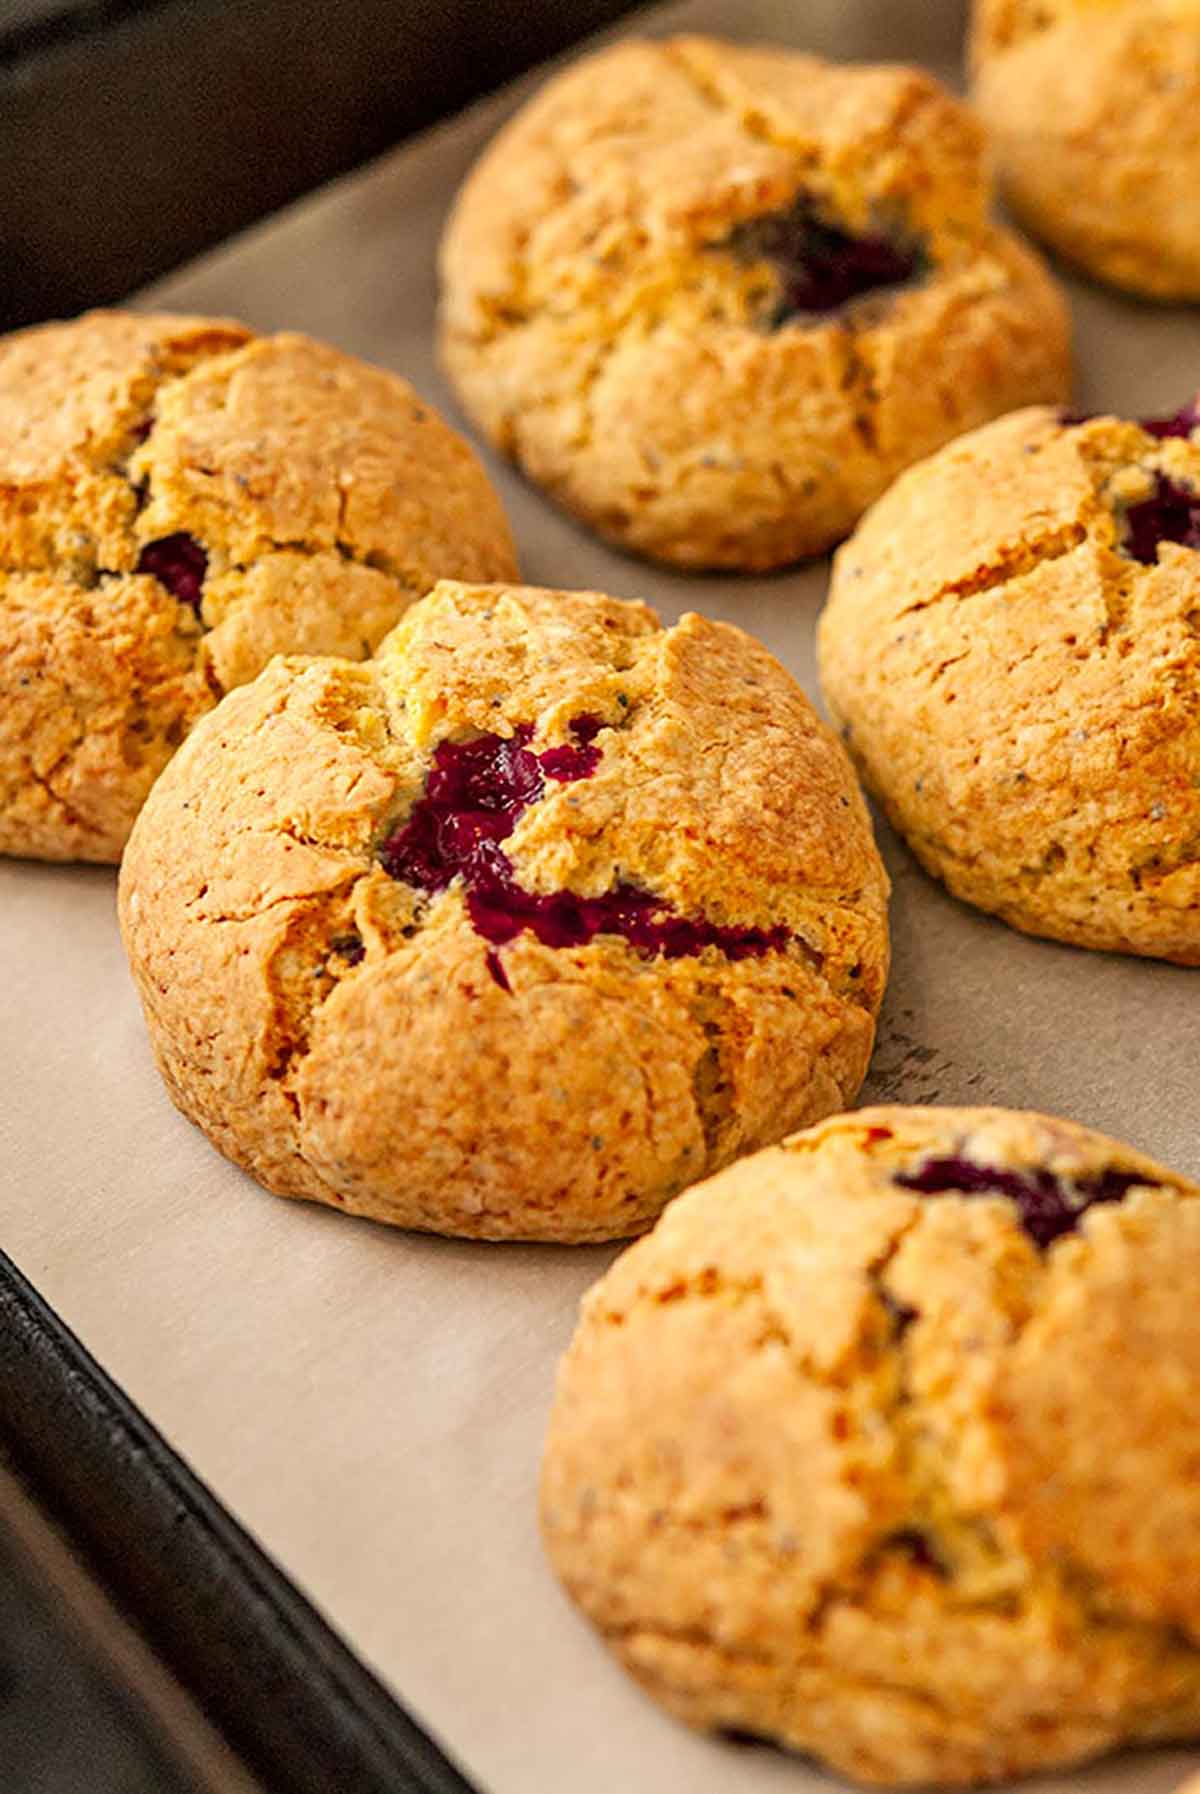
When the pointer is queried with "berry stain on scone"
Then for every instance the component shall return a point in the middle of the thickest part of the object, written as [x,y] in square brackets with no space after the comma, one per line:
[1048,1205]
[1012,649]
[1171,513]
[1093,108]
[714,298]
[882,1447]
[516,929]
[180,564]
[179,501]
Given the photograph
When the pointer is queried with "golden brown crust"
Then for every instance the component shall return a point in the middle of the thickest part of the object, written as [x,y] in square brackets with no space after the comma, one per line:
[324,494]
[866,1472]
[601,330]
[1094,110]
[569,1096]
[1023,695]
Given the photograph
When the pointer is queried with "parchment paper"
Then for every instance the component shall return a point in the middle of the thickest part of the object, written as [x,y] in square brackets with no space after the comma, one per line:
[371,1404]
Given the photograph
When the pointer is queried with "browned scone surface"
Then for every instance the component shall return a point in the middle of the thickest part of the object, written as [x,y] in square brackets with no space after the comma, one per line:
[883,1445]
[699,947]
[641,300]
[179,501]
[1012,649]
[1093,107]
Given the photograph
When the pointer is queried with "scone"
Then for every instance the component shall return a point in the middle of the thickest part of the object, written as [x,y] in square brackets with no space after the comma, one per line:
[518,928]
[1094,112]
[179,501]
[883,1446]
[713,298]
[1012,649]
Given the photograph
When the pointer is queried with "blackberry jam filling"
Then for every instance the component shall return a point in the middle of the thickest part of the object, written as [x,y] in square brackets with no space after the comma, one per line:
[475,795]
[1048,1207]
[819,266]
[500,909]
[575,762]
[179,563]
[1182,424]
[1170,514]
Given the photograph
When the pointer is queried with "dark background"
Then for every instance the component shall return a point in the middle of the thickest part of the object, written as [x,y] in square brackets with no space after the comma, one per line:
[134,133]
[66,1724]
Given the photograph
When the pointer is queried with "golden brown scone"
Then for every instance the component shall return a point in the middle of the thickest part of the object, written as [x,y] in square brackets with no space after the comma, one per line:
[1094,112]
[179,501]
[881,1448]
[714,299]
[515,930]
[1012,649]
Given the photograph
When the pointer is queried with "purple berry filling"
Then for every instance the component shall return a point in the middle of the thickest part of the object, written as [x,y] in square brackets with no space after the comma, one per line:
[179,563]
[820,266]
[569,763]
[500,909]
[474,797]
[1048,1207]
[1170,514]
[1182,424]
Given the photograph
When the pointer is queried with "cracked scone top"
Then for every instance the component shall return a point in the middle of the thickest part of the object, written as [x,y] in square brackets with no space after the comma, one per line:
[714,298]
[515,930]
[883,1446]
[179,501]
[1012,649]
[1093,109]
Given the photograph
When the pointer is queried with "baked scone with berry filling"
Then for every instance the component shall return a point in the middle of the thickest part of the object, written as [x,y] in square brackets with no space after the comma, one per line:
[714,298]
[1012,649]
[883,1446]
[516,929]
[180,500]
[1093,107]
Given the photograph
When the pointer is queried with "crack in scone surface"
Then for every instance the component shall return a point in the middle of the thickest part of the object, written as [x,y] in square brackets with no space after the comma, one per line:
[1028,557]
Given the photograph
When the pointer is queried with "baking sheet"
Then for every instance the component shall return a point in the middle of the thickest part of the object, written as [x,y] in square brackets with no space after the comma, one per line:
[369,1404]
